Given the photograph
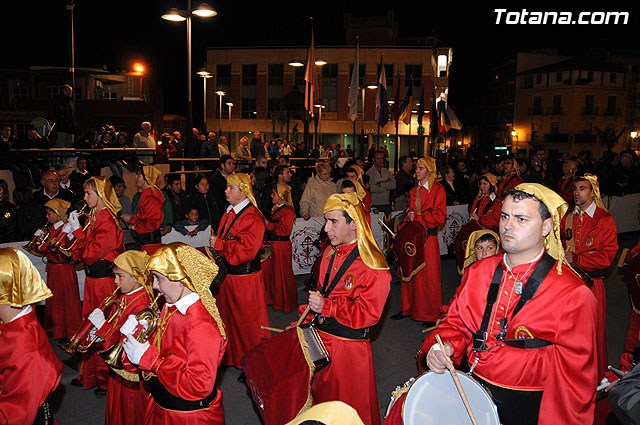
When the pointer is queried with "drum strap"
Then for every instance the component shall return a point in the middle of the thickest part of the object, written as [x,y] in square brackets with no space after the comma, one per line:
[326,288]
[232,221]
[528,291]
[491,201]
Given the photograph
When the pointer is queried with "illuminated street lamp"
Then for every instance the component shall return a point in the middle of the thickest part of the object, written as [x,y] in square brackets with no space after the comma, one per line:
[175,15]
[230,105]
[220,94]
[634,136]
[319,122]
[205,74]
[139,69]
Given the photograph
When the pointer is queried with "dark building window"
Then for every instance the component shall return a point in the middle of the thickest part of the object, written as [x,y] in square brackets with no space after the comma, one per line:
[362,69]
[612,77]
[249,108]
[249,75]
[223,74]
[557,104]
[298,77]
[413,75]
[276,74]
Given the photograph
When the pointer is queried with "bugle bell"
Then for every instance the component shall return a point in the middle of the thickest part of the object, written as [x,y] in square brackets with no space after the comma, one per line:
[81,341]
[113,356]
[38,239]
[56,245]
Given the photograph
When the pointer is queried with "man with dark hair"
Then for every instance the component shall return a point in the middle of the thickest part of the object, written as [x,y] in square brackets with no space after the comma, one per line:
[219,182]
[178,199]
[260,161]
[65,122]
[525,320]
[404,182]
[511,177]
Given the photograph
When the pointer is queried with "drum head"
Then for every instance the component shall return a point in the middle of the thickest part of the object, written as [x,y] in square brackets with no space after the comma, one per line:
[434,399]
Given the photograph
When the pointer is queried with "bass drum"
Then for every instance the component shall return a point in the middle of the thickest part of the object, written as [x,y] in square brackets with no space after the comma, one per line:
[433,398]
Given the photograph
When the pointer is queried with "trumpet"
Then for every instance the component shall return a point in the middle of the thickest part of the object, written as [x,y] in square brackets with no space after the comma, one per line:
[81,341]
[56,245]
[39,239]
[113,356]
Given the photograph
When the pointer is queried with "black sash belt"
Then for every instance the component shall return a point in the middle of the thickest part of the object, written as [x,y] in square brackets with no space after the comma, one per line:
[99,269]
[242,269]
[166,400]
[432,231]
[147,238]
[528,291]
[271,236]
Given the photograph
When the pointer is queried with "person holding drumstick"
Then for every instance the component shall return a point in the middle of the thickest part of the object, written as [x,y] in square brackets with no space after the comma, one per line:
[525,320]
[352,291]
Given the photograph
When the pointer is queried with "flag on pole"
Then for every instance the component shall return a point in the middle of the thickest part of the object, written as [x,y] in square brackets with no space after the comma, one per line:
[311,78]
[455,122]
[405,107]
[382,107]
[354,89]
[433,118]
[444,123]
[396,103]
[421,107]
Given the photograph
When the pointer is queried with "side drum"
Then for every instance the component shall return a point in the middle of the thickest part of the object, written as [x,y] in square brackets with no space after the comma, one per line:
[433,398]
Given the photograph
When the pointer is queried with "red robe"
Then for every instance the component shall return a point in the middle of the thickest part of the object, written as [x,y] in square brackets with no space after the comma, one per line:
[491,218]
[565,188]
[633,328]
[508,182]
[149,215]
[241,299]
[596,243]
[563,312]
[284,293]
[63,311]
[422,295]
[185,359]
[102,240]
[29,369]
[357,301]
[126,397]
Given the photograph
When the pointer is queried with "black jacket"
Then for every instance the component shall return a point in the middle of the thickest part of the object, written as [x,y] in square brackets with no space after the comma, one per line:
[8,222]
[207,208]
[65,121]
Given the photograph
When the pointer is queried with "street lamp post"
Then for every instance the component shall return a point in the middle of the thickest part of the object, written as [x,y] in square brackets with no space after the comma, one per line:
[175,15]
[634,136]
[319,125]
[230,105]
[220,94]
[140,71]
[204,74]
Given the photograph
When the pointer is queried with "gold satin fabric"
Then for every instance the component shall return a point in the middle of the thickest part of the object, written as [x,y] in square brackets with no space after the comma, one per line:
[284,193]
[593,179]
[243,181]
[20,282]
[430,165]
[108,195]
[59,206]
[492,180]
[470,251]
[135,263]
[151,175]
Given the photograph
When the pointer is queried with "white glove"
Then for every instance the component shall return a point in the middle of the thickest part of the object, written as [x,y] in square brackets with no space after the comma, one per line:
[144,324]
[134,349]
[38,232]
[73,221]
[66,228]
[97,318]
[129,326]
[92,334]
[70,236]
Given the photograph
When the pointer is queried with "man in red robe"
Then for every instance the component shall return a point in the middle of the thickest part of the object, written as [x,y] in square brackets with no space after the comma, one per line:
[29,369]
[590,240]
[525,320]
[511,177]
[422,288]
[96,247]
[147,219]
[126,396]
[352,291]
[283,290]
[241,296]
[179,363]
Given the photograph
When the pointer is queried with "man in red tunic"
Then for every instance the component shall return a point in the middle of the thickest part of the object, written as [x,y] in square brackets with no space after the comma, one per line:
[96,247]
[422,290]
[147,219]
[525,320]
[565,184]
[180,362]
[63,312]
[126,397]
[241,296]
[352,291]
[511,176]
[29,369]
[590,240]
[284,293]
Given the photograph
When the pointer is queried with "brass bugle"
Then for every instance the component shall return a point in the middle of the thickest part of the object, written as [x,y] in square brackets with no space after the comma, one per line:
[56,245]
[113,356]
[39,239]
[80,341]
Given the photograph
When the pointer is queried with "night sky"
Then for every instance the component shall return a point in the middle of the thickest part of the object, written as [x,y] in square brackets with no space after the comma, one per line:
[117,33]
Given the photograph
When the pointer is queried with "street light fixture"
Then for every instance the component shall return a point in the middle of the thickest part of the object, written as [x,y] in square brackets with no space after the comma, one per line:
[220,94]
[320,62]
[175,15]
[230,105]
[296,63]
[205,74]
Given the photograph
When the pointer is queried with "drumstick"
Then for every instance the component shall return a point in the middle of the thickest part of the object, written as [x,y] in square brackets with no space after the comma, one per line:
[268,328]
[623,257]
[456,380]
[304,314]
[429,329]
[393,235]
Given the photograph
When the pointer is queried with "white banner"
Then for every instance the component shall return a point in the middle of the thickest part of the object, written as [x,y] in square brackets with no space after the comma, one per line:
[457,215]
[624,211]
[200,239]
[303,249]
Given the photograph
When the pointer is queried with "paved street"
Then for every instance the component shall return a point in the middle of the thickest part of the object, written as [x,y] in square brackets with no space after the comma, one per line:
[394,347]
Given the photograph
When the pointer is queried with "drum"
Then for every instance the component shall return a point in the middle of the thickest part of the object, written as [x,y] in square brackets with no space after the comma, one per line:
[433,398]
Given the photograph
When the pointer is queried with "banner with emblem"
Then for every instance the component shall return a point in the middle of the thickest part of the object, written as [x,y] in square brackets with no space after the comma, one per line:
[304,248]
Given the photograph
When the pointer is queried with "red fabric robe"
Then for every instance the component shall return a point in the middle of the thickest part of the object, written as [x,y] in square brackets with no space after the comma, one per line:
[565,189]
[241,299]
[596,242]
[507,183]
[563,312]
[102,240]
[422,296]
[284,293]
[357,301]
[185,360]
[491,218]
[63,311]
[149,215]
[29,369]
[126,398]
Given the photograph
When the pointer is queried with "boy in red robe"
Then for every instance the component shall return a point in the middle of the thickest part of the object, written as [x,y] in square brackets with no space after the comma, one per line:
[29,369]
